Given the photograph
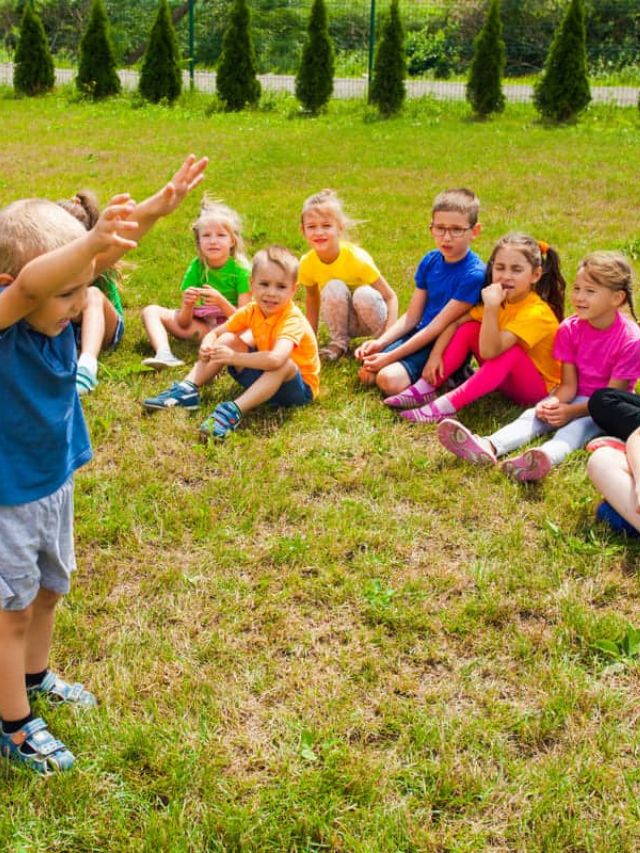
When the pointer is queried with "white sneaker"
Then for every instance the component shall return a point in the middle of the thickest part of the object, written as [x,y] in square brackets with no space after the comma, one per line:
[160,362]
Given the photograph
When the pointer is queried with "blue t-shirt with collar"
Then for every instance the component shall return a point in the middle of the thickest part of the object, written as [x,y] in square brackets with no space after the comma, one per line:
[462,280]
[43,434]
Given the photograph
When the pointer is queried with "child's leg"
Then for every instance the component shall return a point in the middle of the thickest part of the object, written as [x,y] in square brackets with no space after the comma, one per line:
[612,477]
[14,629]
[336,309]
[616,412]
[99,324]
[395,377]
[159,323]
[521,431]
[369,313]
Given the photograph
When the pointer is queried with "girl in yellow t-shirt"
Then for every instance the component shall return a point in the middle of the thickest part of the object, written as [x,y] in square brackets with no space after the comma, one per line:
[344,286]
[511,335]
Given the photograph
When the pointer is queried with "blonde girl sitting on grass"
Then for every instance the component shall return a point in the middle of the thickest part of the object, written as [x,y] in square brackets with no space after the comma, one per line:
[215,284]
[344,286]
[598,347]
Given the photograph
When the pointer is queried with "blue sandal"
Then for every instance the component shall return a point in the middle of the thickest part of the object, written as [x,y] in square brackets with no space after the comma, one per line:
[49,754]
[57,691]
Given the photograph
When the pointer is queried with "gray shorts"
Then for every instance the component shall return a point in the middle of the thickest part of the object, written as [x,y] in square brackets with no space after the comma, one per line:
[36,548]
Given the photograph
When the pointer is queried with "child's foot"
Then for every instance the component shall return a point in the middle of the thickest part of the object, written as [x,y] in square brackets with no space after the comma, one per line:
[161,360]
[86,381]
[332,352]
[466,444]
[609,516]
[222,420]
[529,466]
[606,441]
[35,746]
[418,394]
[366,376]
[182,394]
[432,413]
[56,690]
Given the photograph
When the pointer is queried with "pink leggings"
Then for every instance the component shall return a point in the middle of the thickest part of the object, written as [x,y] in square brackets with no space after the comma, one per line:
[512,372]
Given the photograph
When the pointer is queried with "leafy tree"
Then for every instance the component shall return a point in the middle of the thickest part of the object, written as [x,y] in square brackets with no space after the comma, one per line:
[160,76]
[563,90]
[314,81]
[236,82]
[484,87]
[389,69]
[33,69]
[97,75]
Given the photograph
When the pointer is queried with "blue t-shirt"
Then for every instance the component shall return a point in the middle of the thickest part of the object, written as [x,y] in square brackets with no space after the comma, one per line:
[462,280]
[43,435]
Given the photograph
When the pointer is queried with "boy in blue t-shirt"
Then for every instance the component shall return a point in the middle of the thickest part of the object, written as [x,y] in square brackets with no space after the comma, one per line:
[47,262]
[448,283]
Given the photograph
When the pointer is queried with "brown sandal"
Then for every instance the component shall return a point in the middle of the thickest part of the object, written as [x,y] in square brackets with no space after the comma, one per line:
[332,352]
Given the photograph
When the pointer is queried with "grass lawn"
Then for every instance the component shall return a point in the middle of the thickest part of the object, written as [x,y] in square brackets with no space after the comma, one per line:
[326,633]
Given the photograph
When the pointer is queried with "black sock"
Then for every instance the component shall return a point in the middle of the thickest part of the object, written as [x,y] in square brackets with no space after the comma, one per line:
[34,679]
[9,727]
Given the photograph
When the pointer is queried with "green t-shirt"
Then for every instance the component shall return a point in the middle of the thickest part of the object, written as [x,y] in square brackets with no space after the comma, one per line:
[107,282]
[230,280]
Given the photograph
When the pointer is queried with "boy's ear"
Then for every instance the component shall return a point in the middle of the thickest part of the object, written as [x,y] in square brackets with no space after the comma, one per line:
[477,228]
[5,279]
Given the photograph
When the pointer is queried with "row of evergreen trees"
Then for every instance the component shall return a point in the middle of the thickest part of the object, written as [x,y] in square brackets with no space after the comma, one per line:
[561,93]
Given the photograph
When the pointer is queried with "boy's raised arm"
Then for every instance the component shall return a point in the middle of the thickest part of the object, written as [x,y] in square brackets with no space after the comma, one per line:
[162,203]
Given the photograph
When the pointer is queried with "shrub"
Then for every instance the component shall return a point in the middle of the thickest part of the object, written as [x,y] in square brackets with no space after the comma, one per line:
[387,87]
[314,81]
[432,51]
[484,87]
[33,69]
[563,90]
[236,82]
[160,76]
[97,75]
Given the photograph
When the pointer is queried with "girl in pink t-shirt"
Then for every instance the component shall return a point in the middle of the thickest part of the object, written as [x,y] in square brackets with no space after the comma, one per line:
[597,347]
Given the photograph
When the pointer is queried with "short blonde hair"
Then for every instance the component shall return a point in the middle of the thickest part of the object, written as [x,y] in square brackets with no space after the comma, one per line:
[611,270]
[31,227]
[213,210]
[279,255]
[328,202]
[461,201]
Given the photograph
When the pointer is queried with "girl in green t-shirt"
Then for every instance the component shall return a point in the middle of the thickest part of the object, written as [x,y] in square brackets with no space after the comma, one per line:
[101,324]
[214,285]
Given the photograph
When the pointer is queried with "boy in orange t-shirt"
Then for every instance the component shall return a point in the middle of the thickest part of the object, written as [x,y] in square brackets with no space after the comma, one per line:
[268,346]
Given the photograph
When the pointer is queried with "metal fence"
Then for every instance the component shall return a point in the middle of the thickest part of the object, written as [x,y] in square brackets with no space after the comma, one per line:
[439,36]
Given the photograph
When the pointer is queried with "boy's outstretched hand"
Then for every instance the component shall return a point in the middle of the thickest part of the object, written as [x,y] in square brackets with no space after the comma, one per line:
[187,178]
[114,228]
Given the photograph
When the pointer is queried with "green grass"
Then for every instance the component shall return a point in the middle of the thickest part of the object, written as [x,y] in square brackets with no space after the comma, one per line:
[327,634]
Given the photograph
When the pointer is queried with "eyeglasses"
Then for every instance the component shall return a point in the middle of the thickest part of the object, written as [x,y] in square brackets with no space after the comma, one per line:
[456,232]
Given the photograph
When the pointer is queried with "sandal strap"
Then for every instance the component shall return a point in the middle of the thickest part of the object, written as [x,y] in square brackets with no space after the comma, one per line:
[58,690]
[48,752]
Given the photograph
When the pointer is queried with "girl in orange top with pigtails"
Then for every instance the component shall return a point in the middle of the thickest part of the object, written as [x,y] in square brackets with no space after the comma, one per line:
[511,335]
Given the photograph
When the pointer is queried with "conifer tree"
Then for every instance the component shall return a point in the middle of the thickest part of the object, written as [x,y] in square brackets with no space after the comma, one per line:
[484,86]
[563,90]
[33,72]
[97,75]
[236,81]
[389,70]
[160,75]
[314,81]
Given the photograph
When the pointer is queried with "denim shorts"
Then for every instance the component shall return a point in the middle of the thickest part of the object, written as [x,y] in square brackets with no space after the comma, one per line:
[36,548]
[414,362]
[295,392]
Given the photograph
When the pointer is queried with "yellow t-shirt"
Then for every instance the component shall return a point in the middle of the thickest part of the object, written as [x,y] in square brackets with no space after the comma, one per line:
[535,325]
[289,323]
[353,265]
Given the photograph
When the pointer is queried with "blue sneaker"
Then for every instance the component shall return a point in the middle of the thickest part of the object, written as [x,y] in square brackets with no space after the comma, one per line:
[48,756]
[185,396]
[56,690]
[223,419]
[609,516]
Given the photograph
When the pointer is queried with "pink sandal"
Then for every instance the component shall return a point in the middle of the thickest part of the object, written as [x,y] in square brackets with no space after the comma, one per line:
[530,466]
[465,444]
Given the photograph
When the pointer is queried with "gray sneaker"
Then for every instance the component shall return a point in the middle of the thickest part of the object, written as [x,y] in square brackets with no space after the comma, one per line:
[160,362]
[177,395]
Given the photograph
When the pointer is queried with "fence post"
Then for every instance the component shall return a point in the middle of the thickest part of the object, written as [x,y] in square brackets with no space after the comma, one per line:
[192,59]
[372,45]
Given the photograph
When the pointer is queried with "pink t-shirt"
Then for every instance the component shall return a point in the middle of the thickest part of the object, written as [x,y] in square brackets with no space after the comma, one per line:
[600,355]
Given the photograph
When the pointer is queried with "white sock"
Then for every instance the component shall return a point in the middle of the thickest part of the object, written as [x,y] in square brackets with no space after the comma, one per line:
[89,363]
[164,353]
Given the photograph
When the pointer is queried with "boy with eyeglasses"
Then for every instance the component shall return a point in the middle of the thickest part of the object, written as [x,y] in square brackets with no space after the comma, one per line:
[448,283]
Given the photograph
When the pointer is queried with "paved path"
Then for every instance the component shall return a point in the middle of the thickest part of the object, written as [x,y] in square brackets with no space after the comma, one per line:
[356,87]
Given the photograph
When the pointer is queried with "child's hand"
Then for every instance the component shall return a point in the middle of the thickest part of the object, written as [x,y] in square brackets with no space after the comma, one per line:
[367,348]
[493,295]
[555,413]
[210,295]
[374,363]
[434,370]
[190,296]
[221,355]
[113,226]
[206,346]
[187,178]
